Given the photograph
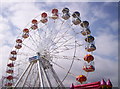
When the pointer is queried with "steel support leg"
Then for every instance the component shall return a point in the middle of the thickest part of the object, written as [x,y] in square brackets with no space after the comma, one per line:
[45,75]
[22,75]
[27,76]
[40,75]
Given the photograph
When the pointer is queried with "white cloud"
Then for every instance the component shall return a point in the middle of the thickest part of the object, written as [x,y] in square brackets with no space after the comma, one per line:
[5,35]
[114,25]
[107,44]
[78,1]
[106,68]
[60,1]
[4,24]
[5,50]
[99,12]
[5,32]
[23,14]
[17,1]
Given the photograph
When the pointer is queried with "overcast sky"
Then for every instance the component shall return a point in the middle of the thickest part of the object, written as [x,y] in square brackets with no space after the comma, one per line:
[103,18]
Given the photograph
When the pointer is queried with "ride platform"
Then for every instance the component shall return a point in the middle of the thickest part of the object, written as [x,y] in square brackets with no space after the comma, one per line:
[94,85]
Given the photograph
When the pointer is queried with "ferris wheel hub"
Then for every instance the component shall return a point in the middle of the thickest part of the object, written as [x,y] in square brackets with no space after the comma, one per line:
[33,59]
[42,58]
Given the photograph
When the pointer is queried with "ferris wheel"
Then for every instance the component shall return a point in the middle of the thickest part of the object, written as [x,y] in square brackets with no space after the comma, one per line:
[47,47]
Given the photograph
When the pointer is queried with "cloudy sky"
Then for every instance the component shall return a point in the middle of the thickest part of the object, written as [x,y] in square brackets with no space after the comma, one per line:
[103,18]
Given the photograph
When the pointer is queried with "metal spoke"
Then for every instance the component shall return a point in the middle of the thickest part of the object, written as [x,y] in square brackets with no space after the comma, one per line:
[29,47]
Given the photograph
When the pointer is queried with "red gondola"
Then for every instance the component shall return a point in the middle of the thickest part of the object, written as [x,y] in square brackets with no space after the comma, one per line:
[9,71]
[54,14]
[44,15]
[89,68]
[34,27]
[43,20]
[10,65]
[88,58]
[18,41]
[18,46]
[12,58]
[14,52]
[34,21]
[10,77]
[81,78]
[25,35]
[54,11]
[26,30]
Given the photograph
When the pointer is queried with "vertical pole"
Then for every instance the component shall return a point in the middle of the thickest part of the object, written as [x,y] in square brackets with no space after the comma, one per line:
[56,77]
[27,76]
[40,75]
[44,73]
[42,64]
[42,68]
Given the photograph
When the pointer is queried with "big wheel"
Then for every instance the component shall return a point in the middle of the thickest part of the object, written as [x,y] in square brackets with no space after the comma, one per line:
[47,47]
